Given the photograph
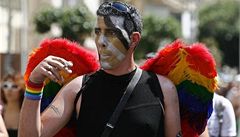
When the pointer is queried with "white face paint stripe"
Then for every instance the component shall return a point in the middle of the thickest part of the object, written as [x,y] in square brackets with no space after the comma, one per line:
[110,47]
[119,23]
[125,34]
[105,65]
[119,54]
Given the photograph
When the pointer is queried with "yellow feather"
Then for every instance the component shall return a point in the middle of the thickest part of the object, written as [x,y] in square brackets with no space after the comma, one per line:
[182,72]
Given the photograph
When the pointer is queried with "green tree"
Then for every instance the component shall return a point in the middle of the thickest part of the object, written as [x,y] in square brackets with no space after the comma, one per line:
[220,22]
[156,30]
[75,23]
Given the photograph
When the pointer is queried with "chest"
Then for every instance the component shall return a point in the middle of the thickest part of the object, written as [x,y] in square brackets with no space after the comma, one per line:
[142,115]
[11,120]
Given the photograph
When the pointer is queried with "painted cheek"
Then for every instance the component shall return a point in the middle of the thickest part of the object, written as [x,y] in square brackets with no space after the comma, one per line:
[114,50]
[118,45]
[114,61]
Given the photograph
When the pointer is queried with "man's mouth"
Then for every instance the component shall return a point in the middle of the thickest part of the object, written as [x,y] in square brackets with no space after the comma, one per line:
[104,56]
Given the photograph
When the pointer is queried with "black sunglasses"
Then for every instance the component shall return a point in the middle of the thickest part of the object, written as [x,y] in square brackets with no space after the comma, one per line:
[121,7]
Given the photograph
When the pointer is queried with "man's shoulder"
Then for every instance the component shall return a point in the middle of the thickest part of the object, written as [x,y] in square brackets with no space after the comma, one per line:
[168,89]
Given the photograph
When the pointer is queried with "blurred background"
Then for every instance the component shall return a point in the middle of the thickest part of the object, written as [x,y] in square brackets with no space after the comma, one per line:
[25,23]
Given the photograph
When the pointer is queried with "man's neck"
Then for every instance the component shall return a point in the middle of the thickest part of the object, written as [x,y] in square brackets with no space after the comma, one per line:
[123,68]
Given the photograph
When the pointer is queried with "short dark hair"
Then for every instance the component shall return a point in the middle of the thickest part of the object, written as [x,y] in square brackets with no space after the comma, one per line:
[132,18]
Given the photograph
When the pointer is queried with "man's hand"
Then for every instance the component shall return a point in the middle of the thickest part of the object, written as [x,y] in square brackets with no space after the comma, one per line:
[50,67]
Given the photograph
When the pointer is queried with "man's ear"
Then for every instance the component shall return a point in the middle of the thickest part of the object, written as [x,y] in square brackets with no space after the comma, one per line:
[135,39]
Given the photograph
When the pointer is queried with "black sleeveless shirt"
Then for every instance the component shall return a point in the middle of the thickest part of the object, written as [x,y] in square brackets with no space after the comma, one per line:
[142,116]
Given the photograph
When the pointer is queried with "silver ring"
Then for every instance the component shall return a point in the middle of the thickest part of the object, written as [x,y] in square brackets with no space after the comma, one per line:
[49,68]
[65,64]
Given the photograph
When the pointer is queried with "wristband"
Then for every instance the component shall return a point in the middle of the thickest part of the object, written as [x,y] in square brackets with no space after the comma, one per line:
[33,90]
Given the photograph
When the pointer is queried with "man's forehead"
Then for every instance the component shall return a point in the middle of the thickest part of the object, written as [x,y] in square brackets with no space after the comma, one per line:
[114,20]
[100,18]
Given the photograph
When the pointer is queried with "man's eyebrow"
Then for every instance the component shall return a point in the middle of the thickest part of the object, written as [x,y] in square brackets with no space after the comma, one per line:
[110,29]
[107,29]
[96,28]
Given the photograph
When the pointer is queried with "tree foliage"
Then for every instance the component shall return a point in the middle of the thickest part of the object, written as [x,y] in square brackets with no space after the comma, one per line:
[75,23]
[221,22]
[156,30]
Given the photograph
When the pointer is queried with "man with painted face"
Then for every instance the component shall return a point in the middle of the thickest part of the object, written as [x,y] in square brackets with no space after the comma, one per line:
[151,111]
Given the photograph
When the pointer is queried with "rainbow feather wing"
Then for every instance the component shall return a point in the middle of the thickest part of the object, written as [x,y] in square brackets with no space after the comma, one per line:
[83,60]
[192,70]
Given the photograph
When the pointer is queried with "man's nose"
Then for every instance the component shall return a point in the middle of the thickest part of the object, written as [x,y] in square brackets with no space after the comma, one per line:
[102,41]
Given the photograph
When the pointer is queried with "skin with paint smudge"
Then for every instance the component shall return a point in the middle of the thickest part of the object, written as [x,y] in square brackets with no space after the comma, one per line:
[111,50]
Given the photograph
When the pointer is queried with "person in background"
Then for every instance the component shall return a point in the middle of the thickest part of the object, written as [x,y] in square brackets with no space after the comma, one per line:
[222,122]
[234,96]
[12,90]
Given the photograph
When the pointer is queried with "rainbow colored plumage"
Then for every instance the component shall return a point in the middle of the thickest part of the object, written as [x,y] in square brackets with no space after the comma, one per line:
[193,70]
[83,60]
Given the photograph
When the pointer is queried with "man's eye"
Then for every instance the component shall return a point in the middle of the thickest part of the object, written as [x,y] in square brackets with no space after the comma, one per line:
[97,32]
[110,33]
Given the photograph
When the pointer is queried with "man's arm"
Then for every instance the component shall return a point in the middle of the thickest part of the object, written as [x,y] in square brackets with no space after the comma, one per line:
[53,118]
[56,116]
[171,105]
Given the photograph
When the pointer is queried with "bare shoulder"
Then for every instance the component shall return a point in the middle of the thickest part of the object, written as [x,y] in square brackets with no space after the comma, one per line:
[74,86]
[168,89]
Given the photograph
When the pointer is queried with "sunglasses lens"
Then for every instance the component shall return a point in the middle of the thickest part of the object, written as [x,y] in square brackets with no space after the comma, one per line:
[120,6]
[5,86]
[14,86]
[9,86]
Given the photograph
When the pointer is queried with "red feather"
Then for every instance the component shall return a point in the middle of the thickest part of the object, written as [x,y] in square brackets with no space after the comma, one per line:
[84,61]
[165,60]
[199,58]
[180,62]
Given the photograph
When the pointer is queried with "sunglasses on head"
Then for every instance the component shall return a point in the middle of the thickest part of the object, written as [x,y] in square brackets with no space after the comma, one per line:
[120,8]
[9,85]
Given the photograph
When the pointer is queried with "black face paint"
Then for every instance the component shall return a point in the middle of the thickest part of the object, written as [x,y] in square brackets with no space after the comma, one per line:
[132,18]
[132,21]
[118,32]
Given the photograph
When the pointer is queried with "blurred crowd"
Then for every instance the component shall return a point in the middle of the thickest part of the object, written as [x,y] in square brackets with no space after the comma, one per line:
[229,87]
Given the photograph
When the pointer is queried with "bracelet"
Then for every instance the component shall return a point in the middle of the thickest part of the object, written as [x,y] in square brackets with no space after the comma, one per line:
[33,96]
[33,90]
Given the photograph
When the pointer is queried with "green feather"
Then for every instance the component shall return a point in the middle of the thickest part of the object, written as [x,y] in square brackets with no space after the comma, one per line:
[51,89]
[196,90]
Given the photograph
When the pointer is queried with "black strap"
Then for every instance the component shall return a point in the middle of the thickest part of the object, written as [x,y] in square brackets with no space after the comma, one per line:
[118,110]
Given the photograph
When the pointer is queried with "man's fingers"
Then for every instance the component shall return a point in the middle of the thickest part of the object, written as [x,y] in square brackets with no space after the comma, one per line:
[56,73]
[50,67]
[63,61]
[48,73]
[61,64]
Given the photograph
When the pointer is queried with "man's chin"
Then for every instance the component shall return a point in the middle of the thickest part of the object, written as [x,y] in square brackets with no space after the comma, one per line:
[106,66]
